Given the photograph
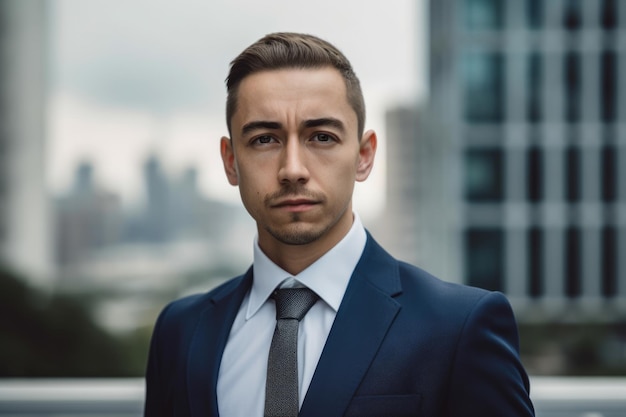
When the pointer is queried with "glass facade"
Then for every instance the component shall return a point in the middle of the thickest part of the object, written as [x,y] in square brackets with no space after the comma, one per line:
[484,14]
[572,87]
[572,18]
[572,97]
[534,89]
[609,173]
[608,14]
[572,260]
[572,174]
[483,81]
[534,174]
[483,175]
[535,261]
[484,249]
[534,13]
[609,261]
[608,86]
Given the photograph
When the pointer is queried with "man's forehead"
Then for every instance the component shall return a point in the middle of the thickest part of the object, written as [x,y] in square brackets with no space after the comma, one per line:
[306,87]
[325,75]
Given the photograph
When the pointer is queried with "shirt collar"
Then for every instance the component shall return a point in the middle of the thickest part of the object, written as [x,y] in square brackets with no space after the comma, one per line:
[328,276]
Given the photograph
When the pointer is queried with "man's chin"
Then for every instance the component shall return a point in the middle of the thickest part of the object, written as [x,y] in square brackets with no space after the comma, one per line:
[296,235]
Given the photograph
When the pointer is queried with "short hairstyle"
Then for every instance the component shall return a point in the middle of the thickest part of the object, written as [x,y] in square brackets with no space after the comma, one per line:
[292,50]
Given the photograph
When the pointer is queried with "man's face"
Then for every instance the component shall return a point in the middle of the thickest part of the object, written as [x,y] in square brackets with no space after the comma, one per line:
[295,155]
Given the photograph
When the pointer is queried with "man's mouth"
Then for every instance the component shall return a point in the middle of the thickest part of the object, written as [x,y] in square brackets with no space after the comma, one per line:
[295,204]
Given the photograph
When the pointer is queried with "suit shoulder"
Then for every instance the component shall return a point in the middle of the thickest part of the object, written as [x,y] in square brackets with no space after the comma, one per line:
[416,285]
[415,279]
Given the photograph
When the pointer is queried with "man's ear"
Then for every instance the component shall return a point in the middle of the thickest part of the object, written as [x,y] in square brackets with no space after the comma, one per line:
[367,152]
[228,158]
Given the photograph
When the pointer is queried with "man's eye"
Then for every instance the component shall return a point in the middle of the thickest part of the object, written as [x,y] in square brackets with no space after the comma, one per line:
[322,137]
[264,139]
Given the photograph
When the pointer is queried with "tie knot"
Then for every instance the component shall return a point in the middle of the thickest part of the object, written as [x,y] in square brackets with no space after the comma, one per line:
[293,303]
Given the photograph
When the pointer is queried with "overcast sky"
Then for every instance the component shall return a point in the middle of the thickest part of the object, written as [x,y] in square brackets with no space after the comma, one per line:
[138,76]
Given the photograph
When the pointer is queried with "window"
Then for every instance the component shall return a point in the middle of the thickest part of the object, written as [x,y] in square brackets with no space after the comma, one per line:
[483,77]
[483,175]
[608,14]
[535,86]
[535,262]
[572,174]
[609,173]
[609,261]
[483,14]
[608,86]
[573,262]
[572,87]
[484,254]
[534,13]
[572,17]
[534,169]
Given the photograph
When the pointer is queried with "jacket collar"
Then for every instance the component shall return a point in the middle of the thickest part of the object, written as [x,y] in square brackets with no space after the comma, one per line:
[366,313]
[207,344]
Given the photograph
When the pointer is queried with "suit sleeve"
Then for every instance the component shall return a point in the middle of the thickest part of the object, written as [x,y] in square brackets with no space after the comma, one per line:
[487,377]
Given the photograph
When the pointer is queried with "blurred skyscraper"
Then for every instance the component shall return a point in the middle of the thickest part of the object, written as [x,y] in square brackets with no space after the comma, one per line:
[513,176]
[24,217]
[86,219]
[417,226]
[532,95]
[158,205]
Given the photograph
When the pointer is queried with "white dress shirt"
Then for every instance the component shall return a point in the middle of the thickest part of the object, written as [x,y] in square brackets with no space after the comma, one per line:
[241,380]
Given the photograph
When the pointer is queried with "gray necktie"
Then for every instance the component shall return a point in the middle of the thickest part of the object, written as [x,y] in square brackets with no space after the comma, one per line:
[281,390]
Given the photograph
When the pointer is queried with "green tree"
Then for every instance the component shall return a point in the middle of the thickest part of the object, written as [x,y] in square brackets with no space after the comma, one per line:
[44,335]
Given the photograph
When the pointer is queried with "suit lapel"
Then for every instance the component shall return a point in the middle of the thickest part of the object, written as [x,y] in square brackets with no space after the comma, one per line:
[207,346]
[364,317]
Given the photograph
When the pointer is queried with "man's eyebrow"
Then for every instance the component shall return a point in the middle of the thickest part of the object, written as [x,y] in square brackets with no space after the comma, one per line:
[260,124]
[325,121]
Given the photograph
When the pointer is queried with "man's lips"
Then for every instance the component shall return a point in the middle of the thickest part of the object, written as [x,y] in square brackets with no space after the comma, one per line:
[295,204]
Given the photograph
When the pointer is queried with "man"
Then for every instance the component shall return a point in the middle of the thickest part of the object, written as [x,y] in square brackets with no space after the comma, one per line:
[382,338]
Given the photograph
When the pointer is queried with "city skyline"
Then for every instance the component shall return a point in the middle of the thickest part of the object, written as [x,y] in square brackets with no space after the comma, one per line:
[117,95]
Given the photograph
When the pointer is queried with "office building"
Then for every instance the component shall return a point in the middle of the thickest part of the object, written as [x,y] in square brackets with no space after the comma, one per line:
[532,95]
[24,218]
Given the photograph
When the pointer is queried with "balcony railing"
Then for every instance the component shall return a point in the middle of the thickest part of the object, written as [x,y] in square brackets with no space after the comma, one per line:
[553,397]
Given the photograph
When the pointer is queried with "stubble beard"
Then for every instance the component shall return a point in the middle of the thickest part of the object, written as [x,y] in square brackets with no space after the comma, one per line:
[296,234]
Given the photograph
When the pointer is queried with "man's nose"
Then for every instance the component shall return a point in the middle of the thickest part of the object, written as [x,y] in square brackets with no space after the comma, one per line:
[293,167]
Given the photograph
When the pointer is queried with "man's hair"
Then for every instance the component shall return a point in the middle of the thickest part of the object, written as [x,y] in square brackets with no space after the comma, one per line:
[292,50]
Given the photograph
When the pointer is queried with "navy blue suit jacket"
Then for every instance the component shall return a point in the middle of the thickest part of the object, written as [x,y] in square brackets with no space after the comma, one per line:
[403,344]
